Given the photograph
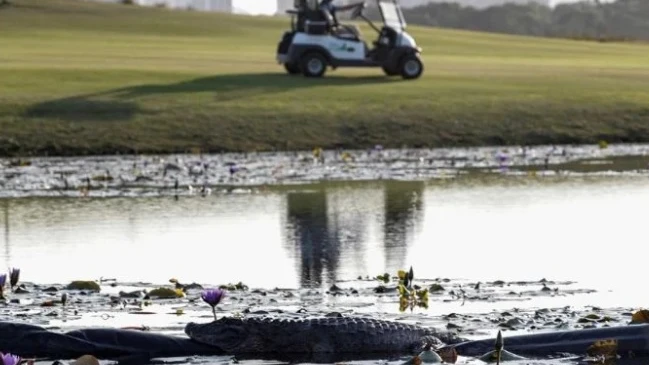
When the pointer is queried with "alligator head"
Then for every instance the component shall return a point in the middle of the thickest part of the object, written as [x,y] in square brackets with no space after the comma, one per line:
[228,334]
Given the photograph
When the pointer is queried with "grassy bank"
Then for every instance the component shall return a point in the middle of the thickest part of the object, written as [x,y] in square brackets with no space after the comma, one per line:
[79,77]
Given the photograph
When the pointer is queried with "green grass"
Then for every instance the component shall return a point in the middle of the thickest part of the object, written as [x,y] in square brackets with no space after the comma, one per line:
[79,77]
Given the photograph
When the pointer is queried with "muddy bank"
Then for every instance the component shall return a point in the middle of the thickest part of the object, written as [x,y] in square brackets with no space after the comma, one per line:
[131,175]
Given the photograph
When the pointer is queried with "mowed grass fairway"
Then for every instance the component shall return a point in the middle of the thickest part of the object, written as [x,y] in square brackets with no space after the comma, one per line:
[80,77]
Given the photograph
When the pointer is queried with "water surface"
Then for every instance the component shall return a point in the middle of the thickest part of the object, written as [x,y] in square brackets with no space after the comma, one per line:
[588,230]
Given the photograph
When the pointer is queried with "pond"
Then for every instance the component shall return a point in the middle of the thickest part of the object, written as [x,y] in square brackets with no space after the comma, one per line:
[551,235]
[584,230]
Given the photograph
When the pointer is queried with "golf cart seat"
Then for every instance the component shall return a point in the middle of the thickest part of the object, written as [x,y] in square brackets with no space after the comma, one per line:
[322,22]
[345,31]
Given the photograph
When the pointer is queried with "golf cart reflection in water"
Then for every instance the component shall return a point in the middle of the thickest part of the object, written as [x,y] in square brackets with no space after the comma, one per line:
[316,41]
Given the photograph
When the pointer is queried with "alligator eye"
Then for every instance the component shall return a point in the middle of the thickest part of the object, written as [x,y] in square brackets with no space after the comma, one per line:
[229,338]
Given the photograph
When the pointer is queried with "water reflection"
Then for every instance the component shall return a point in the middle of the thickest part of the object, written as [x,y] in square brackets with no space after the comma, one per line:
[5,216]
[351,220]
[323,223]
[309,234]
[403,208]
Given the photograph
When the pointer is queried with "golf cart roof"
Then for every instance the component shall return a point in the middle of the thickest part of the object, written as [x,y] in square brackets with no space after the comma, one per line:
[391,14]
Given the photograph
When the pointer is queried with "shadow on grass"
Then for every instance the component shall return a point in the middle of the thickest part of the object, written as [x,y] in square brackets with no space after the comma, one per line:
[119,104]
[239,86]
[83,108]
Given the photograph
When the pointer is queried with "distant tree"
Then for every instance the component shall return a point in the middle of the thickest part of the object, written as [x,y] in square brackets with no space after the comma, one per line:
[588,19]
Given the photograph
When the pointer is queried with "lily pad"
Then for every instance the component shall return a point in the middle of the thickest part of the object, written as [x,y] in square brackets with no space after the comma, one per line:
[84,285]
[435,288]
[165,293]
[232,287]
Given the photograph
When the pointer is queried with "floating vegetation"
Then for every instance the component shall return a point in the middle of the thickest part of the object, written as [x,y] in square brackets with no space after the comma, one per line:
[231,287]
[133,175]
[410,296]
[413,298]
[84,285]
[185,287]
[166,293]
[384,278]
[436,288]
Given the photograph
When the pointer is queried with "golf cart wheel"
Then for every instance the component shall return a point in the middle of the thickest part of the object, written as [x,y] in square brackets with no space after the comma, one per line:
[411,66]
[292,68]
[313,64]
[389,72]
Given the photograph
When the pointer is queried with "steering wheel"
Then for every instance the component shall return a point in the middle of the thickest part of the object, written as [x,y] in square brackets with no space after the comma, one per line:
[358,10]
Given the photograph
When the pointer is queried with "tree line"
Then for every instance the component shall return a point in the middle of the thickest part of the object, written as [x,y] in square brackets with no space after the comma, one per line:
[621,20]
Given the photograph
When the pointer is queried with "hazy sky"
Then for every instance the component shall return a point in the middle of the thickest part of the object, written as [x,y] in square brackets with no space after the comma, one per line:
[269,6]
[256,6]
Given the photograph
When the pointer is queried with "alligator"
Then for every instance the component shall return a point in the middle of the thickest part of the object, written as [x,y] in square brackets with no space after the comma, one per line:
[289,340]
[319,340]
[321,335]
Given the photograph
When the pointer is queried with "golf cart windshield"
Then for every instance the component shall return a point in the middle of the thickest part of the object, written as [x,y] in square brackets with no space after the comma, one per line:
[391,13]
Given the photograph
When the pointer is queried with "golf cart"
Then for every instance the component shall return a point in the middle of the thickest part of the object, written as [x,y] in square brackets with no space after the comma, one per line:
[314,43]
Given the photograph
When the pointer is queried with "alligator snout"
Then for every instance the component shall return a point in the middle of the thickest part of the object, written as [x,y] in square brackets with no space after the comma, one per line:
[189,328]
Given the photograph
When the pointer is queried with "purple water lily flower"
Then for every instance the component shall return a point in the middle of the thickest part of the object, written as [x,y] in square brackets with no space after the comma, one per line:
[9,359]
[14,275]
[213,297]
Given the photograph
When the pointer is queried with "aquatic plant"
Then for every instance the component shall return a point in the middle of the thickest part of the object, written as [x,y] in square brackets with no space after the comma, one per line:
[410,295]
[84,285]
[165,293]
[9,359]
[412,298]
[213,297]
[406,278]
[3,281]
[14,275]
[232,287]
[436,287]
[498,346]
[384,278]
